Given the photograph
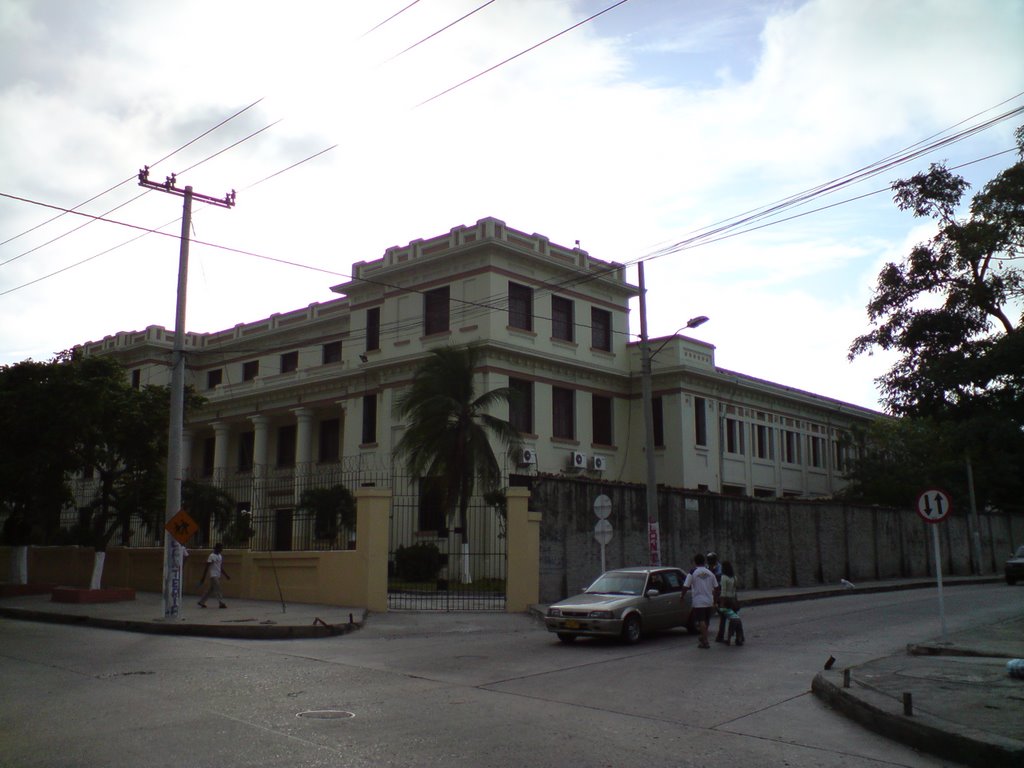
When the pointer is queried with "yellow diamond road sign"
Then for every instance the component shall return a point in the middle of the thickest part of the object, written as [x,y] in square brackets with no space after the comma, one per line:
[182,527]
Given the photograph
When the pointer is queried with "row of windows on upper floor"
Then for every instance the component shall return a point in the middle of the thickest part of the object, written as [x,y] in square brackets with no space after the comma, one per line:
[437,319]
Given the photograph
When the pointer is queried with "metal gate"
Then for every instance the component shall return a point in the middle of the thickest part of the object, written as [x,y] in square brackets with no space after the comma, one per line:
[436,563]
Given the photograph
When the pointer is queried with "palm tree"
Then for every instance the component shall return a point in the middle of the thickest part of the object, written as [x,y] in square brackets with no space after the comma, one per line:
[450,430]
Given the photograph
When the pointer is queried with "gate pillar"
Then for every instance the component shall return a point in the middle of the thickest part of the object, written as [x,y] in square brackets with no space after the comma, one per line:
[373,510]
[522,587]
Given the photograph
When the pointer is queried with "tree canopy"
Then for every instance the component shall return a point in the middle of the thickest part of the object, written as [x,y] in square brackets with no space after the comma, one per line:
[953,309]
[450,427]
[79,415]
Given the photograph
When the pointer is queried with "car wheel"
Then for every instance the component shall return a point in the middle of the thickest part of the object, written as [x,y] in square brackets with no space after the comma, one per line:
[1011,580]
[631,629]
[566,638]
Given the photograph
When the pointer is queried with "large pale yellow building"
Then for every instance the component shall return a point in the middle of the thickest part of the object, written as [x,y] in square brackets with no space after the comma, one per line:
[310,390]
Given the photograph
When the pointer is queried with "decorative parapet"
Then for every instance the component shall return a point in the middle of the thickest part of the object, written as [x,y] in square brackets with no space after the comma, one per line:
[485,230]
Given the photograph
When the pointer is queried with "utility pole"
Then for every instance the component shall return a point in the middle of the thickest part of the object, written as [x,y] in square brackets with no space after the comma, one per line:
[653,532]
[172,570]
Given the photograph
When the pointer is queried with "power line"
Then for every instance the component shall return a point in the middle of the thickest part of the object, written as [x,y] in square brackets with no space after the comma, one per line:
[389,18]
[144,230]
[438,32]
[132,177]
[132,200]
[521,53]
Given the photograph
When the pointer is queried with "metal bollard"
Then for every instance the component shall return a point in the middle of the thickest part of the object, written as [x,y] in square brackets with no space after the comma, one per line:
[908,704]
[846,678]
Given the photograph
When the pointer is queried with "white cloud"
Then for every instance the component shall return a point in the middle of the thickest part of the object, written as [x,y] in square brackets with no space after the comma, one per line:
[619,134]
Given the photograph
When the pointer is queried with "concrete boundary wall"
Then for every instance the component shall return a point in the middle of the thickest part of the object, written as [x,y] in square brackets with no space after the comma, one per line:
[772,543]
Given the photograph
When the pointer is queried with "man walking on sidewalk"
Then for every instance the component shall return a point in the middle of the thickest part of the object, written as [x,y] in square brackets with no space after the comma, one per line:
[705,596]
[214,569]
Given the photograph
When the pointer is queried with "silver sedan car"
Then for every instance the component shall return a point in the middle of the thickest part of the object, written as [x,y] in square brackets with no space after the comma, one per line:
[623,603]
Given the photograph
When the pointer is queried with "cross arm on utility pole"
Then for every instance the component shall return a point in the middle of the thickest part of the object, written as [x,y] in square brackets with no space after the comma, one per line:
[169,185]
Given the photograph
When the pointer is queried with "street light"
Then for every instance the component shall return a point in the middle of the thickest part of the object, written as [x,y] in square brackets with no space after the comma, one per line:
[693,322]
[653,532]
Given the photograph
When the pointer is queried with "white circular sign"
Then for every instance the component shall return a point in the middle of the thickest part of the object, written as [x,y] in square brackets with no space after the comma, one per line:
[603,532]
[602,506]
[934,505]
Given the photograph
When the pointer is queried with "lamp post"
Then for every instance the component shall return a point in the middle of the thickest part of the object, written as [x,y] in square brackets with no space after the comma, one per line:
[653,532]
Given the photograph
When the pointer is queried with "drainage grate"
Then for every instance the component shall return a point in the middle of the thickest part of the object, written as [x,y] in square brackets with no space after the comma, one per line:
[326,714]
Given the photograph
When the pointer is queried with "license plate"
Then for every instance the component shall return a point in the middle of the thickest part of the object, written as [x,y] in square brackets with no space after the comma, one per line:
[570,624]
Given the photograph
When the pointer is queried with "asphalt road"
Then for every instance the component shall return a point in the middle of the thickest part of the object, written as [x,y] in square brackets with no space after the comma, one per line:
[464,690]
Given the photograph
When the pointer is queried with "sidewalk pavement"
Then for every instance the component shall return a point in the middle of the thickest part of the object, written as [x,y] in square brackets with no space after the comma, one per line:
[964,705]
[243,619]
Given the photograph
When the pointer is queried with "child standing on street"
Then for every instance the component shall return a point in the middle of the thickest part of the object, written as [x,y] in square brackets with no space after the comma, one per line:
[728,601]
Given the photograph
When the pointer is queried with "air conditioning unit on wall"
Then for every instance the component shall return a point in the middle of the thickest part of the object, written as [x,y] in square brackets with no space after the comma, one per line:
[577,460]
[598,463]
[527,456]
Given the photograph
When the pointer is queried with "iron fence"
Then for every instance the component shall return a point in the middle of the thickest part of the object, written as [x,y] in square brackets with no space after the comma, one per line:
[440,562]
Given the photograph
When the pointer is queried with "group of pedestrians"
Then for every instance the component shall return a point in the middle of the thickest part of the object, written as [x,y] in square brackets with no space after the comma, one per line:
[714,591]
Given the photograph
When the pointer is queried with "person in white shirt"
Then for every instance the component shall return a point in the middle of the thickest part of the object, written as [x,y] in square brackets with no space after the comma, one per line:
[705,595]
[214,569]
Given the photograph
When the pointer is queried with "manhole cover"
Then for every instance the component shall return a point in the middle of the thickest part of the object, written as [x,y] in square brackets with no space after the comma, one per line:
[326,714]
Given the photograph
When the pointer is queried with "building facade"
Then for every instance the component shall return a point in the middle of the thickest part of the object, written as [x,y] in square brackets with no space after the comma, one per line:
[311,392]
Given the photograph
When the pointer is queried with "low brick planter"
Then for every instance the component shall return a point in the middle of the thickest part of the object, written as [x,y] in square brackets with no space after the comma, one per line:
[83,595]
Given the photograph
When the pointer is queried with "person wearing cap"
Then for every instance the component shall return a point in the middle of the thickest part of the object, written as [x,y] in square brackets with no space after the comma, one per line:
[713,565]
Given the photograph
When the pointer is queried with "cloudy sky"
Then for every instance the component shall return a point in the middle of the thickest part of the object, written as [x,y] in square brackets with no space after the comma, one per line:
[630,133]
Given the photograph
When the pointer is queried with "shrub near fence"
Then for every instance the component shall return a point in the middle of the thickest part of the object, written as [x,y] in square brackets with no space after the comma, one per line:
[772,543]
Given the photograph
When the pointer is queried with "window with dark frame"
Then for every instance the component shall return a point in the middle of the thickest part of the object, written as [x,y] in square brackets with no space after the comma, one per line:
[246,451]
[658,413]
[764,447]
[436,310]
[520,306]
[331,352]
[286,439]
[563,321]
[431,506]
[372,329]
[601,415]
[369,434]
[290,362]
[214,378]
[563,413]
[816,451]
[209,453]
[520,406]
[330,440]
[137,378]
[601,329]
[734,431]
[250,370]
[790,446]
[700,421]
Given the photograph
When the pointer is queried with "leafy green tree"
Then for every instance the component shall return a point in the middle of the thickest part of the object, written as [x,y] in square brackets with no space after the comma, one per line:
[331,509]
[211,507]
[953,311]
[450,429]
[37,448]
[949,308]
[80,415]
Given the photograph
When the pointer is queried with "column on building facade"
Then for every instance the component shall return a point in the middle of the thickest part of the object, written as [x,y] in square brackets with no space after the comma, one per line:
[302,527]
[263,524]
[221,438]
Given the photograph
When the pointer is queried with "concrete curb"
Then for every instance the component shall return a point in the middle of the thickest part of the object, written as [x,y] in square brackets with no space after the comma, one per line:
[921,731]
[156,627]
[866,590]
